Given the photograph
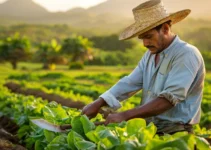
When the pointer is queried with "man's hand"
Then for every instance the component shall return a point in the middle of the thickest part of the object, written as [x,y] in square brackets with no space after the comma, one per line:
[92,109]
[115,118]
[153,108]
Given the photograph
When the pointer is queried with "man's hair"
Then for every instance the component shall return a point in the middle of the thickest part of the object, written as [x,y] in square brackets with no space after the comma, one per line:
[160,26]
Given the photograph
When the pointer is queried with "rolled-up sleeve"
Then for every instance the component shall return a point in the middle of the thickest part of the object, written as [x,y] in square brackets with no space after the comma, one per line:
[181,76]
[125,87]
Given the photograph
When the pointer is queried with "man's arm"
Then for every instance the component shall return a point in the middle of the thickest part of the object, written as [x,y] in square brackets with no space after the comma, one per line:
[153,108]
[92,109]
[123,89]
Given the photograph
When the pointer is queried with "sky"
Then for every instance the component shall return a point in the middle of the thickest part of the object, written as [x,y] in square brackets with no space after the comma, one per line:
[64,5]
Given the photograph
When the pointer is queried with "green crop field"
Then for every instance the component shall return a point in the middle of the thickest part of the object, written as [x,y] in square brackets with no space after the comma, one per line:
[65,92]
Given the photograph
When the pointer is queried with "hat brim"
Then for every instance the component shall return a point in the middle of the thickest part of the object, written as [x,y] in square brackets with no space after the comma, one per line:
[137,29]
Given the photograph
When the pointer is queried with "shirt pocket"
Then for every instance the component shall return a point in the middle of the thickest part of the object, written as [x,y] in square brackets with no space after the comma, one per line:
[161,76]
[164,67]
[159,83]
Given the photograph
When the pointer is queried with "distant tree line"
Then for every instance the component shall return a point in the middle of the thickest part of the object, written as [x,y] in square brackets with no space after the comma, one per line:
[58,44]
[74,51]
[196,32]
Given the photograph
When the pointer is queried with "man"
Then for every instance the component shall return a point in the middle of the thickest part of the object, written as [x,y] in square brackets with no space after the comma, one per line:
[170,74]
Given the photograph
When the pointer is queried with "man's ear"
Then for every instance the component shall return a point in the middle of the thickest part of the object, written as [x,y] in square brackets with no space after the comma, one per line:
[165,28]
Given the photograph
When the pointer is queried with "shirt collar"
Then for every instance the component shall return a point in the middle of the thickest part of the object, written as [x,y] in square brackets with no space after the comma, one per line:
[173,43]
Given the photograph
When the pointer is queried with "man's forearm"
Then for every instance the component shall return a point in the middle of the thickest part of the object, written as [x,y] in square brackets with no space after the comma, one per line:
[153,108]
[101,102]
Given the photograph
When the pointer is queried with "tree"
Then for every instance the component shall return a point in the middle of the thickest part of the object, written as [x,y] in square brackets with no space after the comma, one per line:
[112,43]
[14,49]
[49,54]
[78,48]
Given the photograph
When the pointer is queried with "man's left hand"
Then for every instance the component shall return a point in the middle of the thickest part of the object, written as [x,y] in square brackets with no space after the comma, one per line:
[115,118]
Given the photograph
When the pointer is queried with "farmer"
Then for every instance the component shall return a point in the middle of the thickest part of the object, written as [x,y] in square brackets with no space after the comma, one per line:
[170,74]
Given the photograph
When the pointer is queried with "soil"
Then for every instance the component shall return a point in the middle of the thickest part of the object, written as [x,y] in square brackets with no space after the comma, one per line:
[8,130]
[16,88]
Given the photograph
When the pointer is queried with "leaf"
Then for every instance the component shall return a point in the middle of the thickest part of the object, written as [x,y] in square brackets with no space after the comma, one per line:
[39,145]
[128,145]
[98,118]
[92,137]
[87,124]
[77,125]
[110,141]
[58,143]
[85,145]
[177,143]
[54,114]
[107,138]
[179,134]
[49,135]
[23,131]
[71,139]
[134,125]
[201,143]
[170,148]
[188,138]
[146,134]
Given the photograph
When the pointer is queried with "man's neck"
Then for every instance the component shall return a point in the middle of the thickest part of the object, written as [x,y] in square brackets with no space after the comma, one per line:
[169,40]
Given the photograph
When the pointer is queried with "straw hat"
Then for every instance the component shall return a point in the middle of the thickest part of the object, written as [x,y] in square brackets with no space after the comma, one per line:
[149,15]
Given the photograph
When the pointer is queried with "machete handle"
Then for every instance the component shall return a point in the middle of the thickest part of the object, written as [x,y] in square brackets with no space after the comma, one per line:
[99,123]
[65,126]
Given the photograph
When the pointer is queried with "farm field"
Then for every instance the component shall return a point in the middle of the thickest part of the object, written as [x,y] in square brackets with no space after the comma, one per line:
[57,96]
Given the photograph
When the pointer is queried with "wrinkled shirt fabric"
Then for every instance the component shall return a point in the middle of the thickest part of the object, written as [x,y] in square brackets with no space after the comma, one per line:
[178,77]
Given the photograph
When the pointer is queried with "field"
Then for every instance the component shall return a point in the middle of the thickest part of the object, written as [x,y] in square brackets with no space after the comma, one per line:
[58,96]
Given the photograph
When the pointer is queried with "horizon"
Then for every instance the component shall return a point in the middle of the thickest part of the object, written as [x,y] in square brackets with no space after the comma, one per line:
[57,6]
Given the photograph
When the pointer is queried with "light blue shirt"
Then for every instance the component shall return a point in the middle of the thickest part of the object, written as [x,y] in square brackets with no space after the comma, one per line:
[179,77]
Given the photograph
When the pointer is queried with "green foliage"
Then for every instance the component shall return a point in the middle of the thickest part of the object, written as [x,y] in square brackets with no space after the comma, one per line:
[207,58]
[54,76]
[76,65]
[128,57]
[87,124]
[36,77]
[134,134]
[48,54]
[200,38]
[28,77]
[14,49]
[111,43]
[133,126]
[78,47]
[104,78]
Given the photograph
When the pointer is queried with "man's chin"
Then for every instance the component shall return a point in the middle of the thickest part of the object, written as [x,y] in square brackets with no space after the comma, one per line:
[153,52]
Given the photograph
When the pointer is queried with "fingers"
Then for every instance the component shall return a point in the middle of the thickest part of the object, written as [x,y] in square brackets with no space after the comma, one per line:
[109,119]
[89,111]
[114,118]
[84,110]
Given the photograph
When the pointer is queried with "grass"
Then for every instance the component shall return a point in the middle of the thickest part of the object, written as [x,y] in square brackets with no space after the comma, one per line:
[25,67]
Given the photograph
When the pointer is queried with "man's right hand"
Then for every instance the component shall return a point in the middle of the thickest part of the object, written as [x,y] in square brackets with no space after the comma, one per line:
[92,109]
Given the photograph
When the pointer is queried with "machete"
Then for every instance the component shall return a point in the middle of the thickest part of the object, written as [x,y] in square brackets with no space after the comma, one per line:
[55,128]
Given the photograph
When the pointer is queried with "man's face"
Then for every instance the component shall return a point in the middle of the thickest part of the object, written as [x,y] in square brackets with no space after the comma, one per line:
[153,40]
